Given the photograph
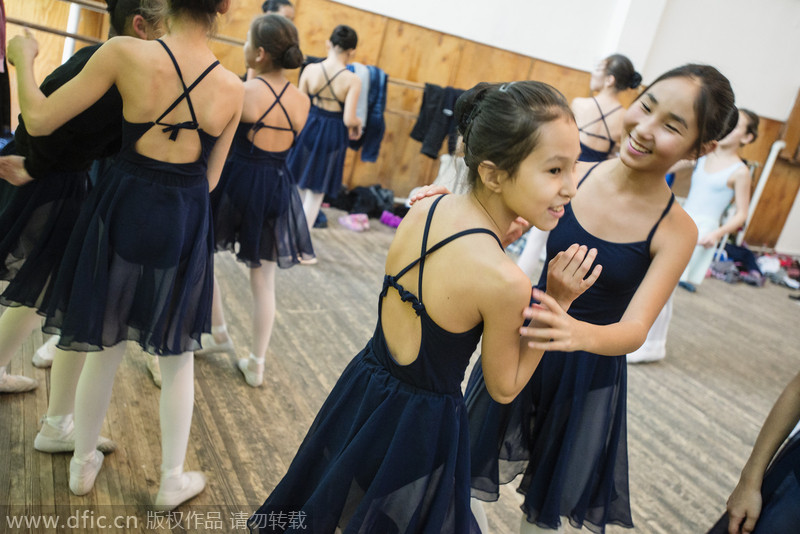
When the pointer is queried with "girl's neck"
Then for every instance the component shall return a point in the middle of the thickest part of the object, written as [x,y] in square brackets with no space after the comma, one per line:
[637,181]
[722,153]
[271,76]
[188,32]
[490,205]
[608,94]
[336,59]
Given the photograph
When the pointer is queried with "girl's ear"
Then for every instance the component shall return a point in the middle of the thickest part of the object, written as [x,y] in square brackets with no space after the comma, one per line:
[139,27]
[491,177]
[707,148]
[747,139]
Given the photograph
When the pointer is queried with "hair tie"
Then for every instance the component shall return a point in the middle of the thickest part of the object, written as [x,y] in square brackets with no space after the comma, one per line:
[505,87]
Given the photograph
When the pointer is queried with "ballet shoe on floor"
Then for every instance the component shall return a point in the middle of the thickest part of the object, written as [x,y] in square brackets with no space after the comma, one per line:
[192,484]
[52,439]
[43,357]
[154,368]
[82,475]
[253,379]
[16,383]
[212,346]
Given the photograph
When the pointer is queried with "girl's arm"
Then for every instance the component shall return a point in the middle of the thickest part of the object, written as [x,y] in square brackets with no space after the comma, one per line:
[508,360]
[352,122]
[42,114]
[216,160]
[744,504]
[741,187]
[672,245]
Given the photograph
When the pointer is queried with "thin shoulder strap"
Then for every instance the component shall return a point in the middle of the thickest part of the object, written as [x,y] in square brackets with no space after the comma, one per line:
[663,214]
[425,250]
[260,124]
[585,176]
[175,128]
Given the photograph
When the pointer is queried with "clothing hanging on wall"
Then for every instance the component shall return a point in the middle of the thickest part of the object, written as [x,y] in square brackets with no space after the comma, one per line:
[373,95]
[436,121]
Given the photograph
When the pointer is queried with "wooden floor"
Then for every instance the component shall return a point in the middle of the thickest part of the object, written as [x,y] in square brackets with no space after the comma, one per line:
[692,418]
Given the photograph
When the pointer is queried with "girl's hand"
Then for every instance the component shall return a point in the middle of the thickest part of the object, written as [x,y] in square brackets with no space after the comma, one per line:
[354,132]
[566,274]
[12,170]
[744,507]
[515,231]
[551,328]
[22,49]
[709,240]
[428,191]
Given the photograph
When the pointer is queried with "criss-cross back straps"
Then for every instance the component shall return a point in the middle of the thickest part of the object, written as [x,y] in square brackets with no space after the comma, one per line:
[602,117]
[425,250]
[260,122]
[173,129]
[328,82]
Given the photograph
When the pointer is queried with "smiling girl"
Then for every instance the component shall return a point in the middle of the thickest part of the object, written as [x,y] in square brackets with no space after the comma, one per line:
[567,429]
[389,449]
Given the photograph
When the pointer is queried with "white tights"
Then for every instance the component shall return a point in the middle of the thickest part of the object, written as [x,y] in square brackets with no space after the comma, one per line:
[262,284]
[311,204]
[175,408]
[16,324]
[480,515]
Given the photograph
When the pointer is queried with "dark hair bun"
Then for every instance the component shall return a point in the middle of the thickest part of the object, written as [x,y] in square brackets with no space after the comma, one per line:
[636,80]
[291,58]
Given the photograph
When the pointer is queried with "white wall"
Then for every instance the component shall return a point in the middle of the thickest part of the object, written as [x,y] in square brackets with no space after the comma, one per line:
[546,29]
[755,43]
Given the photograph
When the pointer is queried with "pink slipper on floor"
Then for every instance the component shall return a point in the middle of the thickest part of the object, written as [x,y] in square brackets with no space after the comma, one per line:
[354,222]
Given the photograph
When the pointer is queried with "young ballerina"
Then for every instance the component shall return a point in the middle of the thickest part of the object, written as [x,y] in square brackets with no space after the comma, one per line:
[138,265]
[566,431]
[317,159]
[718,178]
[766,495]
[389,451]
[256,208]
[37,217]
[599,119]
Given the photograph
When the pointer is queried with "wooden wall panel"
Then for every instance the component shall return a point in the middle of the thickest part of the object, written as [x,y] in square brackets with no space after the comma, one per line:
[482,63]
[570,82]
[234,24]
[768,132]
[316,19]
[418,54]
[791,133]
[775,204]
[51,13]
